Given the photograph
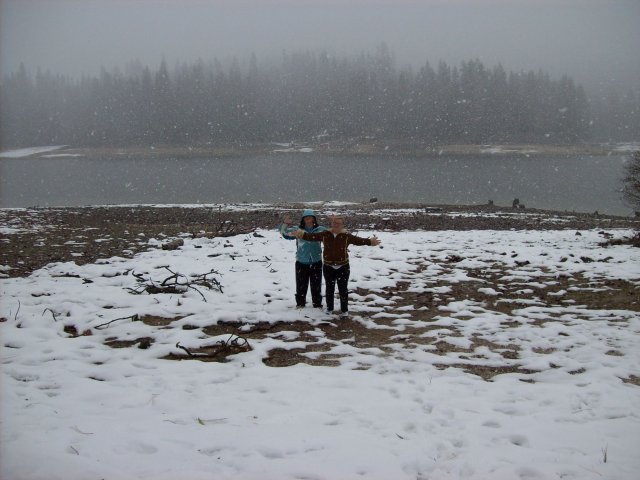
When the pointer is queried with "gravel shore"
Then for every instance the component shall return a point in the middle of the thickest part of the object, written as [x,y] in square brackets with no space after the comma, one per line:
[34,237]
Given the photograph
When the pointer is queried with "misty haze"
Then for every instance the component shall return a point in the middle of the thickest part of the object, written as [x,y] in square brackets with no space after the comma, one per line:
[319,239]
[385,81]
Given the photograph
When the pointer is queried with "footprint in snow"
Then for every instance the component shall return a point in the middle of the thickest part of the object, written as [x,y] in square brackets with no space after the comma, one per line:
[333,423]
[409,427]
[492,424]
[212,452]
[519,440]
[528,472]
[427,408]
[136,447]
[271,453]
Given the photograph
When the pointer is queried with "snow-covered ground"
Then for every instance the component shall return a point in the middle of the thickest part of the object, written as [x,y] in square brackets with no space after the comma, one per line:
[75,408]
[26,152]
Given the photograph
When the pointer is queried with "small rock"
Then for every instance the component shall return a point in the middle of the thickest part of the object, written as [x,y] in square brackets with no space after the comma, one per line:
[70,330]
[173,245]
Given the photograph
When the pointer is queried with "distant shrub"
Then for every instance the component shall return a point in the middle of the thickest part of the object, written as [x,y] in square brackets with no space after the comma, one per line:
[631,181]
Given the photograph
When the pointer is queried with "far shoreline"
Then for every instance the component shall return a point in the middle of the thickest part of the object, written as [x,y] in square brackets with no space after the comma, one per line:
[351,148]
[345,205]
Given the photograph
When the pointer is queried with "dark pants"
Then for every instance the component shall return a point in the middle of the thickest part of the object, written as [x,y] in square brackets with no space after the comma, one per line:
[305,274]
[340,275]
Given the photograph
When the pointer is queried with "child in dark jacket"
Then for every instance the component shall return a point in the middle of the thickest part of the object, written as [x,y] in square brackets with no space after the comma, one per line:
[336,259]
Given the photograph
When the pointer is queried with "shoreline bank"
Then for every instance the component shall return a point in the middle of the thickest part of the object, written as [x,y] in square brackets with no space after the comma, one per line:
[34,237]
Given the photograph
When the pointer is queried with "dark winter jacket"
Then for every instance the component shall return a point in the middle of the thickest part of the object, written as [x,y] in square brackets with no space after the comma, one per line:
[335,246]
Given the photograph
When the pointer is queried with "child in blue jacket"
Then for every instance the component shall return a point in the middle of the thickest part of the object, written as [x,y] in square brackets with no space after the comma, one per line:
[308,258]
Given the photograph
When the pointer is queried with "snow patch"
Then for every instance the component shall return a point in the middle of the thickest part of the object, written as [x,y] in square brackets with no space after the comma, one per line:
[62,155]
[26,152]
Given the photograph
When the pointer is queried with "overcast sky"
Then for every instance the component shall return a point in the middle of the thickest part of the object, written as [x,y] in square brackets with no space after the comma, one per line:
[596,41]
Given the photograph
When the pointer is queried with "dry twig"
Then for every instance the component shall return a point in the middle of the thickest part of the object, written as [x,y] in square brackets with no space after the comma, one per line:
[134,318]
[17,311]
[55,319]
[233,344]
[177,283]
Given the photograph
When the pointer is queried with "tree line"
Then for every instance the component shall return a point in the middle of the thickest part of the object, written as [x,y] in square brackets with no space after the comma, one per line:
[307,97]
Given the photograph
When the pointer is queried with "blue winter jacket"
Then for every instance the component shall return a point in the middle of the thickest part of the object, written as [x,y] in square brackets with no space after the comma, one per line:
[307,252]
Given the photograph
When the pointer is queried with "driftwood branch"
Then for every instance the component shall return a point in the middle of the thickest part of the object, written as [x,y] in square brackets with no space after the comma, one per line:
[134,318]
[221,349]
[265,260]
[235,341]
[184,348]
[226,228]
[53,314]
[177,283]
[17,311]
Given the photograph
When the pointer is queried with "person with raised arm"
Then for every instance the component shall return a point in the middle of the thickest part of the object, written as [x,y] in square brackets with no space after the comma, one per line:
[308,258]
[336,259]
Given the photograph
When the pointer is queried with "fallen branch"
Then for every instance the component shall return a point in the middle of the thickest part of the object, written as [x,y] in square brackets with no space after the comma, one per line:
[76,429]
[184,348]
[134,318]
[235,341]
[266,260]
[177,283]
[52,314]
[223,348]
[227,228]
[15,318]
[204,280]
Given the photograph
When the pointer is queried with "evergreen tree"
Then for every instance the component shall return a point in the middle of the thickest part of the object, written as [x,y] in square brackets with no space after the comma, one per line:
[308,96]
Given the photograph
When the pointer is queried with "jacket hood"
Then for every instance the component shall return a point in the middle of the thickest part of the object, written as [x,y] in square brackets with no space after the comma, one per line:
[308,213]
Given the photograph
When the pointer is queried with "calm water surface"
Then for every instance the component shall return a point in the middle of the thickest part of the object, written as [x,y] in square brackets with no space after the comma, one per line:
[580,183]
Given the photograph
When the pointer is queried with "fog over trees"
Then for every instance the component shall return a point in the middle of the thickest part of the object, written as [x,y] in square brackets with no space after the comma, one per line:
[308,97]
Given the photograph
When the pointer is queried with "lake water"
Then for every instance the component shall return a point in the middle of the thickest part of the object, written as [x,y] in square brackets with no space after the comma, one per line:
[580,183]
